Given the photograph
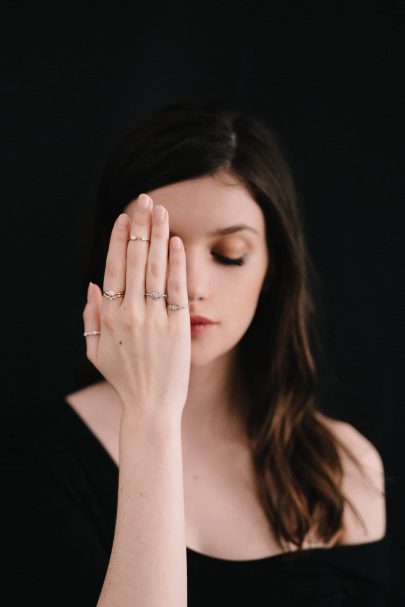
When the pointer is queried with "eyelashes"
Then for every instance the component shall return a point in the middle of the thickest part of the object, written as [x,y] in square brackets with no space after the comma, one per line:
[227,261]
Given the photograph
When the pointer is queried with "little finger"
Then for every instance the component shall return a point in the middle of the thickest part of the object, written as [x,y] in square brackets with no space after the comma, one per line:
[177,292]
[92,324]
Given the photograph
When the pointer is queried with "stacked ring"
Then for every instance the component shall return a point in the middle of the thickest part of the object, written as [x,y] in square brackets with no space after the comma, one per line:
[158,295]
[153,294]
[113,294]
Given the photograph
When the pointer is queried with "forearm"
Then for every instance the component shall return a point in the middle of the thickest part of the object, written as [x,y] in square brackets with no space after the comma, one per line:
[148,565]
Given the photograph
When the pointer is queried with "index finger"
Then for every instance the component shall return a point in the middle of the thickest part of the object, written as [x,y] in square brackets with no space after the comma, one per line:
[115,267]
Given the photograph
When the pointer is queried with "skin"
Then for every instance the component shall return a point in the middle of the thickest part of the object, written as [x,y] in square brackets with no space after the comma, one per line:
[212,431]
[146,355]
[227,294]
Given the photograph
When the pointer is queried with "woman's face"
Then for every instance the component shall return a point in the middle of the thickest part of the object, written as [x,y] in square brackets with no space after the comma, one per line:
[224,293]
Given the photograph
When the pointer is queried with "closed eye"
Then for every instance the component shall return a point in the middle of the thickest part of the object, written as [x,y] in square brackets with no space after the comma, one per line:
[228,260]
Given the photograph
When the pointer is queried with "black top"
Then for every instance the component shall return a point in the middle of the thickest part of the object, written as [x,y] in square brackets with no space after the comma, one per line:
[59,507]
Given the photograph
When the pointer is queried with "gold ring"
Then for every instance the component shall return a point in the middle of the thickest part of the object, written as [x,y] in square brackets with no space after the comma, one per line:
[155,294]
[86,333]
[177,306]
[113,294]
[133,237]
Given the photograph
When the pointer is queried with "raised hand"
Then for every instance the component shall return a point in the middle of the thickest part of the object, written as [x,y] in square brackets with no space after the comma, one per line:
[144,347]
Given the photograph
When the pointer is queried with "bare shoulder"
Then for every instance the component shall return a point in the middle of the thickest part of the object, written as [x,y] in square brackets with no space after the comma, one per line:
[364,487]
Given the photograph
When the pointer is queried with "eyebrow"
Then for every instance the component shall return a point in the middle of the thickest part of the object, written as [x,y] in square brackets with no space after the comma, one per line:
[225,231]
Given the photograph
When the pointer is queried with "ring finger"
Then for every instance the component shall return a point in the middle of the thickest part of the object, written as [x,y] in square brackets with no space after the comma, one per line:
[156,271]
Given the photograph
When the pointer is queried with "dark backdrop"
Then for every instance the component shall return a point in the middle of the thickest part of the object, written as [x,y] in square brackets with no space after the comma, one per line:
[75,78]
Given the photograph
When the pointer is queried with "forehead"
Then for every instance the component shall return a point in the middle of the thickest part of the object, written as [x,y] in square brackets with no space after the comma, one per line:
[199,206]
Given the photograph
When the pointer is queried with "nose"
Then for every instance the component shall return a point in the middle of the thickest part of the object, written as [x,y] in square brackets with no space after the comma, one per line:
[198,279]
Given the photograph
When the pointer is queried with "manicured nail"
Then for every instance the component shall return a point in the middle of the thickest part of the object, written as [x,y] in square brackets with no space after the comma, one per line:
[176,243]
[89,292]
[144,201]
[159,214]
[122,221]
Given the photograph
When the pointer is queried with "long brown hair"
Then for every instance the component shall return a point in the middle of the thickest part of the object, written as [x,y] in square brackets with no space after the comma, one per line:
[298,470]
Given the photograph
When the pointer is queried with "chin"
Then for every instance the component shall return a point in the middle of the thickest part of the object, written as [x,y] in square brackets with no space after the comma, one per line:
[202,355]
[199,359]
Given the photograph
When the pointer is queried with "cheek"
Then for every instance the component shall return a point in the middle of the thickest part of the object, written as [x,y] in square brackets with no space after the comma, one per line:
[243,284]
[240,295]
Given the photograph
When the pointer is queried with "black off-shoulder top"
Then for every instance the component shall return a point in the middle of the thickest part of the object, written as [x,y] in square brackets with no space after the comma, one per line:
[59,503]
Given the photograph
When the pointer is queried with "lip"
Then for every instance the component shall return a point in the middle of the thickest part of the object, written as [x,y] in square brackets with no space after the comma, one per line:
[200,320]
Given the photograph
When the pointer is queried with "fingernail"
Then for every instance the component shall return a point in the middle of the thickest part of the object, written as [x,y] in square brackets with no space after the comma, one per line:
[176,243]
[144,201]
[89,292]
[122,220]
[159,214]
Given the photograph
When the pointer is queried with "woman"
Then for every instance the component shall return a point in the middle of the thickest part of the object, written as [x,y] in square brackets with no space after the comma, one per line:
[194,466]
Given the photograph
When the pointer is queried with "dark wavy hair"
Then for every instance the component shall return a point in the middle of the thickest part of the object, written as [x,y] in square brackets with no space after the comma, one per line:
[298,470]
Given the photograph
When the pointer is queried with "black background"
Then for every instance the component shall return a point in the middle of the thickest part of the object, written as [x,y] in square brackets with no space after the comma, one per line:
[74,78]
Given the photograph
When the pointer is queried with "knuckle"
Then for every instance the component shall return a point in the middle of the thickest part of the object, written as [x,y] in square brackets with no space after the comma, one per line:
[127,322]
[160,233]
[176,285]
[154,268]
[114,267]
[177,261]
[130,318]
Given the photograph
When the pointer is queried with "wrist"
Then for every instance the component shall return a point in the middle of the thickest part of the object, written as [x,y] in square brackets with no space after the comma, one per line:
[151,419]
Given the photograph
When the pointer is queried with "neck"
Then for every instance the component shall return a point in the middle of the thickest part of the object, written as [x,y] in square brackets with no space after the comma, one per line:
[216,402]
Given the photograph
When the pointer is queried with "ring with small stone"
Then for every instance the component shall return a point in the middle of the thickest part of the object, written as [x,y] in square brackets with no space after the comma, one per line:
[133,237]
[177,306]
[113,294]
[155,294]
